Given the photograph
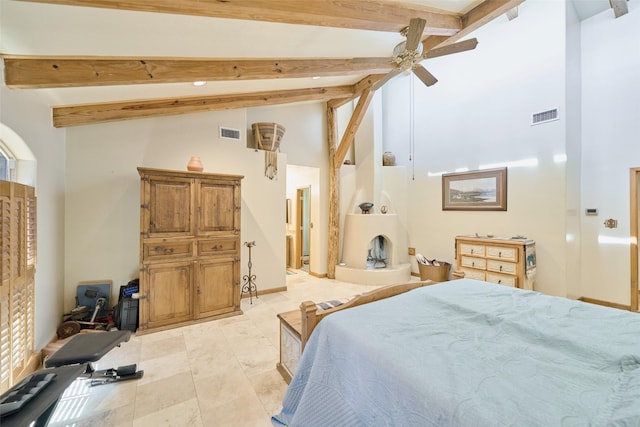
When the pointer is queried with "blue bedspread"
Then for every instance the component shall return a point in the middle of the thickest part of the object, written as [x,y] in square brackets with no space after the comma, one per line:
[469,353]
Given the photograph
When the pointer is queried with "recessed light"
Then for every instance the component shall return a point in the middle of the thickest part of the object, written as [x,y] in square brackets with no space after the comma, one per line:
[315,77]
[200,83]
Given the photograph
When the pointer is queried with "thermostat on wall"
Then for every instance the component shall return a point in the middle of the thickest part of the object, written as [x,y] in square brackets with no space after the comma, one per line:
[591,211]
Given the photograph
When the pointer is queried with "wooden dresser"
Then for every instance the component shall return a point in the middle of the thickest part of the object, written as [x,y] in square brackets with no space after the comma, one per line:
[506,261]
[189,247]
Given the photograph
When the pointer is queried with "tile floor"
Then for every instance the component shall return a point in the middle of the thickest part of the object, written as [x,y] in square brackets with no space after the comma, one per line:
[218,373]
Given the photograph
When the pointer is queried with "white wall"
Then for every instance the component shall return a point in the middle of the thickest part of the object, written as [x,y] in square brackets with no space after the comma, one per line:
[103,193]
[573,119]
[29,115]
[305,144]
[479,113]
[610,129]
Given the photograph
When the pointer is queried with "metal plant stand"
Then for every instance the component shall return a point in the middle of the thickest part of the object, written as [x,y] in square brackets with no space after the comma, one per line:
[249,285]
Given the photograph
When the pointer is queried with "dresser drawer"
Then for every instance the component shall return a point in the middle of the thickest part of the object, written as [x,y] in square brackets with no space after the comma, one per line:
[474,274]
[501,252]
[501,279]
[501,266]
[467,261]
[470,249]
[161,249]
[218,246]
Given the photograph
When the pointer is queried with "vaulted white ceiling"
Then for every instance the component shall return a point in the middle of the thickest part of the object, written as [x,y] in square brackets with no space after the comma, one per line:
[68,28]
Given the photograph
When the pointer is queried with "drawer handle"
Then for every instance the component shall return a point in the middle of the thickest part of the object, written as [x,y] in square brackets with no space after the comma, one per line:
[472,250]
[216,247]
[500,268]
[500,254]
[473,264]
[163,249]
[499,281]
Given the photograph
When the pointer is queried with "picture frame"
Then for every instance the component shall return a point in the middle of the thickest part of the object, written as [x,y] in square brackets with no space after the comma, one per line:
[481,190]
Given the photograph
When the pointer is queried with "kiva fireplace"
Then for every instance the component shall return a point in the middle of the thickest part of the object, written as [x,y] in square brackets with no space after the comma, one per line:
[370,253]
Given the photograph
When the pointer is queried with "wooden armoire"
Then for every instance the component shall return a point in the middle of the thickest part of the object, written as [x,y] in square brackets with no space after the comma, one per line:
[189,247]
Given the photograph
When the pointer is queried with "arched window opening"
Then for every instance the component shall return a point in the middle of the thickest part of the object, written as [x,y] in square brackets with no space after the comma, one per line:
[17,162]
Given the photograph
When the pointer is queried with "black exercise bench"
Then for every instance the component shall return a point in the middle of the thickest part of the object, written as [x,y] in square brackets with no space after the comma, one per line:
[35,397]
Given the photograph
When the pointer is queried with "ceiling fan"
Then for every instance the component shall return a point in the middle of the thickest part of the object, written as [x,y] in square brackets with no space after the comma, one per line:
[408,54]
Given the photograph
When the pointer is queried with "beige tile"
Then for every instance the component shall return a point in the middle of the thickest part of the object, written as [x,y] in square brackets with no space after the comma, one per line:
[270,388]
[256,356]
[162,346]
[222,387]
[209,364]
[246,411]
[164,367]
[183,414]
[164,393]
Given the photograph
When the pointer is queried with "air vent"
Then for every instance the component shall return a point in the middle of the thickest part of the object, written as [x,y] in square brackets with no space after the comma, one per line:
[544,117]
[229,133]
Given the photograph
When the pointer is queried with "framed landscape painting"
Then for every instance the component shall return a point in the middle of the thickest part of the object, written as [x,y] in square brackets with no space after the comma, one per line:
[484,190]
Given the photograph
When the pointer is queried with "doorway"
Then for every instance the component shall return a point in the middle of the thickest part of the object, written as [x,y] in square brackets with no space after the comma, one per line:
[303,224]
[635,217]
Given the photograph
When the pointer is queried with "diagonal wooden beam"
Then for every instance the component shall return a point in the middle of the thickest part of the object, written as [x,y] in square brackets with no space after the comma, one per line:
[359,88]
[480,15]
[354,124]
[24,72]
[377,15]
[74,115]
[619,7]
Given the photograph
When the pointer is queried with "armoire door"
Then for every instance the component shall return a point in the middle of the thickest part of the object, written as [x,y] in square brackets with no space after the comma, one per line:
[168,298]
[216,287]
[169,208]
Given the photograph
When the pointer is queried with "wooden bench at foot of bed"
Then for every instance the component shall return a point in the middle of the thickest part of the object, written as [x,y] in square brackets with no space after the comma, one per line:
[296,326]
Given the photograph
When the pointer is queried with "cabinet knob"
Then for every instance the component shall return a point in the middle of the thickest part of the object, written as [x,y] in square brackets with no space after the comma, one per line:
[500,268]
[499,254]
[471,250]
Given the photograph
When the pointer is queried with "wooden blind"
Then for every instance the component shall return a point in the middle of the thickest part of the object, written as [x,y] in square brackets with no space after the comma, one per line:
[17,288]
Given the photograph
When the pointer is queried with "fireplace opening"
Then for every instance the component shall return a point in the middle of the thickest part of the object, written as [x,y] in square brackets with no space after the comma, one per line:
[377,253]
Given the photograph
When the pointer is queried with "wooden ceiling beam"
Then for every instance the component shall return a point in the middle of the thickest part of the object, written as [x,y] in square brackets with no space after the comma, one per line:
[376,15]
[352,127]
[25,72]
[619,7]
[359,88]
[74,115]
[480,15]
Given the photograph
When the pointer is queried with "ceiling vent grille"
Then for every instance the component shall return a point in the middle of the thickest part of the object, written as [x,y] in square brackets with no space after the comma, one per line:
[229,133]
[544,117]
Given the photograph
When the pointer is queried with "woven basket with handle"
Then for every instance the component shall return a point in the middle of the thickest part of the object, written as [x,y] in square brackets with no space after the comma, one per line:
[268,135]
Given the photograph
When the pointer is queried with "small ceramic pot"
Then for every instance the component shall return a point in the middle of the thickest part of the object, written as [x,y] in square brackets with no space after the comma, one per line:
[195,165]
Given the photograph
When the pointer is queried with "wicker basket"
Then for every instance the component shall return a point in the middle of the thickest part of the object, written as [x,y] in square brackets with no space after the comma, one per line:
[437,273]
[268,135]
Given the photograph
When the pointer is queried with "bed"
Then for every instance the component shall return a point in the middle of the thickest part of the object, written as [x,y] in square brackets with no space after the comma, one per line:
[468,353]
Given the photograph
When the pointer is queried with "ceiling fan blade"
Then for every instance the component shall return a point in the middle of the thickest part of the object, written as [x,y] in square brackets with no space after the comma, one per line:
[377,85]
[426,77]
[414,34]
[462,46]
